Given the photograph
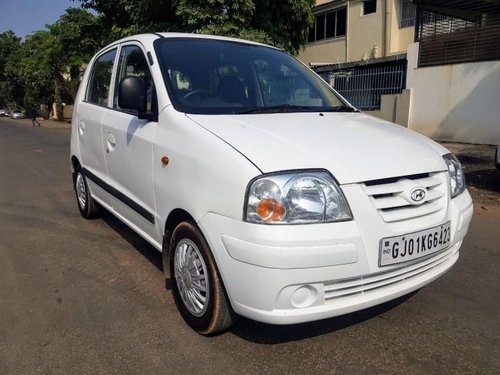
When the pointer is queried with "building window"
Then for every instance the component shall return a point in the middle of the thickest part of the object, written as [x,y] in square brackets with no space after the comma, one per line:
[328,25]
[320,27]
[341,21]
[369,7]
[408,14]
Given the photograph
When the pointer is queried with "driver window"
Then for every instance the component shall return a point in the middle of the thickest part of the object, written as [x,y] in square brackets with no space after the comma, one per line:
[133,63]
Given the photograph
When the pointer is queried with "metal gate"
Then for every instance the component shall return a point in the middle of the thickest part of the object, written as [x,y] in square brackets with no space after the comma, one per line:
[363,86]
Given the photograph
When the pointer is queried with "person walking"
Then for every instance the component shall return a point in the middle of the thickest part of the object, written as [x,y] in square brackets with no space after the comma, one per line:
[33,113]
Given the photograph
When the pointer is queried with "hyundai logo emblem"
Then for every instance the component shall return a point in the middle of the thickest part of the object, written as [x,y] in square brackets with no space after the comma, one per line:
[418,194]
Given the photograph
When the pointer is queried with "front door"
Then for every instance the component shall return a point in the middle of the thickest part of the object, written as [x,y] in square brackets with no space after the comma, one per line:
[128,143]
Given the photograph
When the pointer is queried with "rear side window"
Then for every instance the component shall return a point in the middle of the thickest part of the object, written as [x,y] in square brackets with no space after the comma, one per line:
[100,82]
[133,63]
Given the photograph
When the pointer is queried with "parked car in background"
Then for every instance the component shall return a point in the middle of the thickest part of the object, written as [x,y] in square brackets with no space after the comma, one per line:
[17,114]
[3,113]
[269,195]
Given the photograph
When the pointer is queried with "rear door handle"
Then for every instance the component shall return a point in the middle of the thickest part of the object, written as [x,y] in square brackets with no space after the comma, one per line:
[110,142]
[81,127]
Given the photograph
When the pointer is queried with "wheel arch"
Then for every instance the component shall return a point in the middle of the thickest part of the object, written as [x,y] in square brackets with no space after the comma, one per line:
[175,217]
[74,165]
[224,315]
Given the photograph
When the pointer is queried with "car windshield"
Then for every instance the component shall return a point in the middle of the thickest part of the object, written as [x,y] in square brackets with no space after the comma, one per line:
[207,76]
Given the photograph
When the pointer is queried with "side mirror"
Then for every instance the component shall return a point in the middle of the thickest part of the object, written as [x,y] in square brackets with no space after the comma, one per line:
[132,94]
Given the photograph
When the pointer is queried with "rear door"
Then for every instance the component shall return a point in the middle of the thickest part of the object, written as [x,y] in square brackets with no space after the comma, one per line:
[91,112]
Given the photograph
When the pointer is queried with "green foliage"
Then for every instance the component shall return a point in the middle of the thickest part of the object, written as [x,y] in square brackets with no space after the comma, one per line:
[47,66]
[78,35]
[127,17]
[9,43]
[223,17]
[280,23]
[30,68]
[286,22]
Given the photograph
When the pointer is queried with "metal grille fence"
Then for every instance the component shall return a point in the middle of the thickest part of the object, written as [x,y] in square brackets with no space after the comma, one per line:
[445,39]
[363,86]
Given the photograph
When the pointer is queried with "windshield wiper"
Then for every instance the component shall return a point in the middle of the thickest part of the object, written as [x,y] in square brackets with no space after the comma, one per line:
[282,108]
[341,108]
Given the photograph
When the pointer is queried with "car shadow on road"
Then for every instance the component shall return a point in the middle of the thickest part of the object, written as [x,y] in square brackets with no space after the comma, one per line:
[486,179]
[478,162]
[261,333]
[140,244]
[257,332]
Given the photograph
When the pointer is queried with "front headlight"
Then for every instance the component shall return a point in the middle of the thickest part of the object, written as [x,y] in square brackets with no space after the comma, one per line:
[296,198]
[457,177]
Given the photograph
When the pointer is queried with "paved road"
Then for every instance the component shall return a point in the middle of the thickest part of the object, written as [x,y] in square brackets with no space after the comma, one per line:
[82,296]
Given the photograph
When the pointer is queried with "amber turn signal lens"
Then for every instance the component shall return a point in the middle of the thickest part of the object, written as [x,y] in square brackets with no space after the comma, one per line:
[270,210]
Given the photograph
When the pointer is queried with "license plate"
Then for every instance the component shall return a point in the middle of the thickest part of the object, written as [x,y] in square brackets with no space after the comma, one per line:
[415,245]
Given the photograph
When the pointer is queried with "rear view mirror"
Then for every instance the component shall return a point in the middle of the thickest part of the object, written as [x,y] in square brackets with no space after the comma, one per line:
[132,94]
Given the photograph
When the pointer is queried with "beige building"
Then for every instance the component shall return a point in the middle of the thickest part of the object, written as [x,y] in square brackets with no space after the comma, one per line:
[444,85]
[348,31]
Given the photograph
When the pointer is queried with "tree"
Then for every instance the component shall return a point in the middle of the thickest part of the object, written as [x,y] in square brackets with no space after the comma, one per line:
[9,43]
[286,22]
[31,68]
[282,23]
[77,36]
[127,17]
[222,17]
[48,65]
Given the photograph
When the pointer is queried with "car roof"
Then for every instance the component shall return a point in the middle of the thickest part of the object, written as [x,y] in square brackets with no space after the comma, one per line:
[151,37]
[212,37]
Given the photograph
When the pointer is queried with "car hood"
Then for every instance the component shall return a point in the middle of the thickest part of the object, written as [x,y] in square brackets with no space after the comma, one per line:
[354,147]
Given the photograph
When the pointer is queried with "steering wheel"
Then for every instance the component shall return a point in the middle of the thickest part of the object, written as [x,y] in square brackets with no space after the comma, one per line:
[200,94]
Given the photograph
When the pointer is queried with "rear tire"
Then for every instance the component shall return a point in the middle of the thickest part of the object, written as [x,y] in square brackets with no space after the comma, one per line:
[88,207]
[196,284]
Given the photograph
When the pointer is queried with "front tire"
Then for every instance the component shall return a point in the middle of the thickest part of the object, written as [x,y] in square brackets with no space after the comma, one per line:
[86,204]
[197,287]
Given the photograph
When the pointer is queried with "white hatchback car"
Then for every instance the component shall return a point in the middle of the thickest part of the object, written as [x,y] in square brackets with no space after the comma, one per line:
[270,196]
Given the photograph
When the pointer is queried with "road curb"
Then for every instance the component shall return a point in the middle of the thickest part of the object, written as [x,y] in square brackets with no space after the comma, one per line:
[46,123]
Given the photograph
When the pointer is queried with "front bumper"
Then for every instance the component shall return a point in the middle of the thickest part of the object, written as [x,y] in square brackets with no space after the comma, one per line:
[298,273]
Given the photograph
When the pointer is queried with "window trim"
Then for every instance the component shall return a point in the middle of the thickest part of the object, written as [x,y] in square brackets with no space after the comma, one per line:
[115,47]
[153,116]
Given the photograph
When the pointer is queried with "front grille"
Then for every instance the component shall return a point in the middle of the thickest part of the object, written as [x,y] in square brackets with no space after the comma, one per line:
[366,284]
[388,196]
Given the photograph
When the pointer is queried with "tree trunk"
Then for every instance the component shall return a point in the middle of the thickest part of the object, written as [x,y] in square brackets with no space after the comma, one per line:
[58,100]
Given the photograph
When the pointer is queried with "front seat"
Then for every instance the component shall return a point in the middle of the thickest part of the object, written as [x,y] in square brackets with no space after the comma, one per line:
[232,90]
